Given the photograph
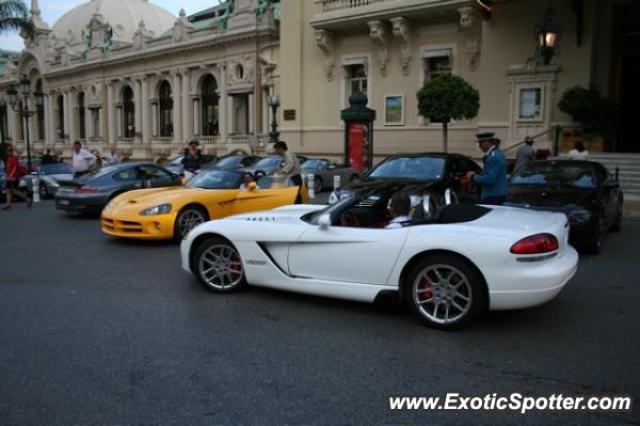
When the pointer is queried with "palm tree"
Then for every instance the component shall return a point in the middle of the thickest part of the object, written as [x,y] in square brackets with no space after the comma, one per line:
[14,16]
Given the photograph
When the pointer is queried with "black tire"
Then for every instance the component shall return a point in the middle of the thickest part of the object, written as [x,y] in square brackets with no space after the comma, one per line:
[317,185]
[187,219]
[465,298]
[596,241]
[223,277]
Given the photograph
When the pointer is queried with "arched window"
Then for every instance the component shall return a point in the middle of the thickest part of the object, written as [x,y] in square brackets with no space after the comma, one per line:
[39,114]
[210,100]
[128,109]
[60,124]
[166,109]
[81,116]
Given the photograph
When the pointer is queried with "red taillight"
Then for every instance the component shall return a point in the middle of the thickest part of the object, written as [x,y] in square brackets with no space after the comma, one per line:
[86,190]
[536,244]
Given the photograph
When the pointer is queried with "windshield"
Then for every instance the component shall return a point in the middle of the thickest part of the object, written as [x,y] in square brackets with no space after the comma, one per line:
[274,182]
[216,179]
[229,161]
[176,161]
[577,175]
[312,164]
[269,162]
[313,217]
[415,168]
[56,169]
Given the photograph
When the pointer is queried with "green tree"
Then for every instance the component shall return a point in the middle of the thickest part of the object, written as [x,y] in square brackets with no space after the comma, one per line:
[14,16]
[447,98]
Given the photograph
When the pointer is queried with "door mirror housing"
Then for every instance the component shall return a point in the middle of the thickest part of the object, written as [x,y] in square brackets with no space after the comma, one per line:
[324,222]
[252,186]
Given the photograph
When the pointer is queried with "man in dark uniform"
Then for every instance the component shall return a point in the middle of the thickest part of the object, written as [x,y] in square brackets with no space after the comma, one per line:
[493,178]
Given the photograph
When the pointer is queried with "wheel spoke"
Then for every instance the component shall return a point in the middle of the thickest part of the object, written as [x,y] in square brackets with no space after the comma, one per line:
[450,294]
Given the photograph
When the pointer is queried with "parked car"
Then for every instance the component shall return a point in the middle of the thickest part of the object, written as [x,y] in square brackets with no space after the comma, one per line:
[449,268]
[159,214]
[418,173]
[49,176]
[233,162]
[583,190]
[90,193]
[324,171]
[175,165]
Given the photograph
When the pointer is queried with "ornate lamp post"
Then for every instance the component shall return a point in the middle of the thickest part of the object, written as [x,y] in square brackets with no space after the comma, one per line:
[274,103]
[20,103]
[548,35]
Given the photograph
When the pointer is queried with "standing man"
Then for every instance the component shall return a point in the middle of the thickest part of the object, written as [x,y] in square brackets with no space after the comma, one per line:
[83,161]
[13,174]
[493,179]
[525,153]
[290,165]
[112,158]
[47,158]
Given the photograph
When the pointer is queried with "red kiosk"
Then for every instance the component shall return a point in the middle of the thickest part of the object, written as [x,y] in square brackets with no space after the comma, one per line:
[358,140]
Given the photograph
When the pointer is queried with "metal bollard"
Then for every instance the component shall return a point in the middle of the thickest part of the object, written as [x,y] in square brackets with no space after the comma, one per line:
[311,185]
[336,182]
[36,190]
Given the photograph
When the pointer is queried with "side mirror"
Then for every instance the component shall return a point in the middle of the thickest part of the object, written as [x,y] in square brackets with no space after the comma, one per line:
[611,184]
[324,222]
[252,186]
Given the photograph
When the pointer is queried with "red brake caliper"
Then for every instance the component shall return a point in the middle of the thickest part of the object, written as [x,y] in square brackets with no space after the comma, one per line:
[237,269]
[425,284]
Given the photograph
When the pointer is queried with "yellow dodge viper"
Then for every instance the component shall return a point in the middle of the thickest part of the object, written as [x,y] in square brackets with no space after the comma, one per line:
[165,213]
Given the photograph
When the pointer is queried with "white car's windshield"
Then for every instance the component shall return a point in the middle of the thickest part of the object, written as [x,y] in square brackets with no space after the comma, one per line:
[415,168]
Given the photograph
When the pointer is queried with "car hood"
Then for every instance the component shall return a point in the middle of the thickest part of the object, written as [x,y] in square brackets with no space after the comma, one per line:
[556,198]
[143,198]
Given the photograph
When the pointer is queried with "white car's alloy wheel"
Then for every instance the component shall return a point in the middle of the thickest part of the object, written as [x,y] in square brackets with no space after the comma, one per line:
[442,293]
[219,266]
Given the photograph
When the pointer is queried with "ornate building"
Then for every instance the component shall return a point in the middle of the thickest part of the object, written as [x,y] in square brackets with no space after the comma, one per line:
[129,75]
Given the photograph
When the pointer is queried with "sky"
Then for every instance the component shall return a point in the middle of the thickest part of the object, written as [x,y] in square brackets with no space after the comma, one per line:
[53,9]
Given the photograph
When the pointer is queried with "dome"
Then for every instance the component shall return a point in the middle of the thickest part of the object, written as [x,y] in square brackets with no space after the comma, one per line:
[123,16]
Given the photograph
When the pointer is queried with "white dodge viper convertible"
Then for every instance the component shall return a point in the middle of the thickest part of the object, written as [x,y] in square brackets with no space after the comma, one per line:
[447,265]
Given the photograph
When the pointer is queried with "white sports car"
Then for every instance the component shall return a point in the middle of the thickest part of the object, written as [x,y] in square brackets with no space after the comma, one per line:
[448,266]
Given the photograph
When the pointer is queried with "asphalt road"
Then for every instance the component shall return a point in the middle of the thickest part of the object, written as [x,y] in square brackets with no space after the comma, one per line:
[94,330]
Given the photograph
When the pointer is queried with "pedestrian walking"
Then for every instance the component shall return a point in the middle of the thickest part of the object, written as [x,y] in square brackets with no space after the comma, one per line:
[525,154]
[14,171]
[493,178]
[83,161]
[192,160]
[579,152]
[290,166]
[112,158]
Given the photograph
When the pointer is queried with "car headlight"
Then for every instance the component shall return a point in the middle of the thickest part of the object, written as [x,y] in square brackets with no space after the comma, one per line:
[156,210]
[579,217]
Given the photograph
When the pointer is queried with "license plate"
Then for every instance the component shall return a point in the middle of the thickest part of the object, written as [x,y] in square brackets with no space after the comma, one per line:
[64,202]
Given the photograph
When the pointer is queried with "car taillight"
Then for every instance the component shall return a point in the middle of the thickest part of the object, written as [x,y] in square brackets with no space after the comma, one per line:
[536,244]
[86,190]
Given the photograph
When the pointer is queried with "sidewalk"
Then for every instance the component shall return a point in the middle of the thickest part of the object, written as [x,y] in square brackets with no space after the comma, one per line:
[632,208]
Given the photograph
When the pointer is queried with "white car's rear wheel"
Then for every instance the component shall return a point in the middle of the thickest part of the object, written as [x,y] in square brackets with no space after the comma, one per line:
[445,292]
[218,266]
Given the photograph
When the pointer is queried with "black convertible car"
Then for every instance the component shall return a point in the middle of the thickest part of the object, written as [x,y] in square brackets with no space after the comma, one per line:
[583,190]
[417,174]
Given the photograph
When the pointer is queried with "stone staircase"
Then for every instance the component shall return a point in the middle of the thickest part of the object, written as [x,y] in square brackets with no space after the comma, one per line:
[629,165]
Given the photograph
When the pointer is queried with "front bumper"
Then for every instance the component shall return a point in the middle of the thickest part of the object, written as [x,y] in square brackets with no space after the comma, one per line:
[135,226]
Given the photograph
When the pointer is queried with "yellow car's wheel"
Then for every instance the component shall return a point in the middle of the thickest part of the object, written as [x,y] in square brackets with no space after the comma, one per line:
[218,266]
[188,218]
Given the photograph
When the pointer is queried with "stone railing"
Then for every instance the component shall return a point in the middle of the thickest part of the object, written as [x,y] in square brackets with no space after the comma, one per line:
[331,5]
[162,145]
[209,140]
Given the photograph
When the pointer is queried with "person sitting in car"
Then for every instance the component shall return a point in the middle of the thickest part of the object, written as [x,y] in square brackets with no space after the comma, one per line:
[247,178]
[399,208]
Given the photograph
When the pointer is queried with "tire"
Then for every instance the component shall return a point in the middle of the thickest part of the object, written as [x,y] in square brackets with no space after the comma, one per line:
[442,304]
[317,185]
[218,266]
[595,242]
[188,218]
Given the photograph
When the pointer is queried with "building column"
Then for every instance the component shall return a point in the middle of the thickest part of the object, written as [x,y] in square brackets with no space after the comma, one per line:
[88,121]
[222,105]
[187,111]
[177,109]
[111,113]
[137,100]
[73,118]
[48,118]
[65,113]
[146,124]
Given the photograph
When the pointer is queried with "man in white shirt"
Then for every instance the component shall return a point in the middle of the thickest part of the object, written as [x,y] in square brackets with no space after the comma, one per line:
[290,165]
[400,209]
[83,160]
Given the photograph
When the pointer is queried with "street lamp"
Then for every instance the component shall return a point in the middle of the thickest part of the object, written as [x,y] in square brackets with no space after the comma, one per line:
[22,107]
[548,35]
[274,103]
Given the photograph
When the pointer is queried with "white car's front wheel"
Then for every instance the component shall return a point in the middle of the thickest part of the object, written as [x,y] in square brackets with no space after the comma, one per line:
[445,292]
[218,266]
